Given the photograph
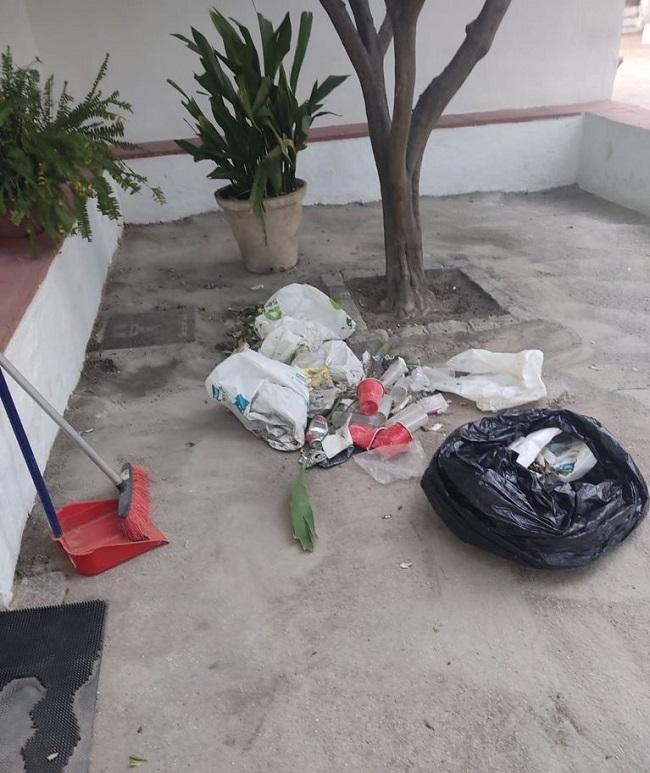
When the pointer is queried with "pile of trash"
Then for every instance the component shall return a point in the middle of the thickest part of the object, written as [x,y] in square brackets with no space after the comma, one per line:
[305,389]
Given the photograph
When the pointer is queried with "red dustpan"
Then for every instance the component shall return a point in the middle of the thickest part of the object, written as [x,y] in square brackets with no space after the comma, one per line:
[93,538]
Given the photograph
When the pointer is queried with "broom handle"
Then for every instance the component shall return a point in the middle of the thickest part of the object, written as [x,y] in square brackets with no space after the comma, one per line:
[63,424]
[28,455]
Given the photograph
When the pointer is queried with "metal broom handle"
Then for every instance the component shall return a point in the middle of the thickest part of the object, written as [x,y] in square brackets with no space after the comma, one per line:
[72,433]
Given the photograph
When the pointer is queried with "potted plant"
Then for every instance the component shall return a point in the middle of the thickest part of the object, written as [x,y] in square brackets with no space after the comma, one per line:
[257,128]
[56,154]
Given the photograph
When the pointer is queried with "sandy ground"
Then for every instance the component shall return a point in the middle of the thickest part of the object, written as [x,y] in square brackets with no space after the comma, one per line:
[229,649]
[632,83]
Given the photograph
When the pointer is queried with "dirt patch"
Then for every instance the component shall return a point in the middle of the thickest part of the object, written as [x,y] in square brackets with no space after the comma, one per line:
[457,298]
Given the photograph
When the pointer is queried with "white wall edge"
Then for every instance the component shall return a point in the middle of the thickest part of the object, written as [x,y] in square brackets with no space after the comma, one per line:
[49,347]
[526,156]
[615,162]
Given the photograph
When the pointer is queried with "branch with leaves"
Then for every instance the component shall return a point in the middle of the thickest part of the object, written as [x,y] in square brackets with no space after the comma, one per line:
[56,154]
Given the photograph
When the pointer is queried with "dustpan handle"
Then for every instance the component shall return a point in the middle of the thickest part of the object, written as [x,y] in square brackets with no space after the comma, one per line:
[28,455]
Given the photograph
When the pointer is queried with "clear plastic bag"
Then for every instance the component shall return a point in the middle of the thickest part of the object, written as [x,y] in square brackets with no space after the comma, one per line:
[390,463]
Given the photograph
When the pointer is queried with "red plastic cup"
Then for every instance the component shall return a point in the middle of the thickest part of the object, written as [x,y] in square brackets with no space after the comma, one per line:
[362,435]
[395,435]
[369,393]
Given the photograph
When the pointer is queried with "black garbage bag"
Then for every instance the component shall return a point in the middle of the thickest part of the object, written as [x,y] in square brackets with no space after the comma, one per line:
[487,499]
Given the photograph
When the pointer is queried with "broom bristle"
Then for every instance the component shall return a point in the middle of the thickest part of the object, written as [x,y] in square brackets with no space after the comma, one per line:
[137,522]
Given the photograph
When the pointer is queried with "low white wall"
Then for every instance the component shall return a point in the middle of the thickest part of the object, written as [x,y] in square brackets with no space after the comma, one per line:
[526,156]
[48,346]
[615,162]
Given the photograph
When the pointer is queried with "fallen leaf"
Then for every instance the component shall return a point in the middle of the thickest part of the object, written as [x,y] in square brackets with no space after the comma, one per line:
[135,761]
[301,514]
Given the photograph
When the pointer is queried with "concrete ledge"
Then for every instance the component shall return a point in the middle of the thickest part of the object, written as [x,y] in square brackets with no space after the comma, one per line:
[48,346]
[615,157]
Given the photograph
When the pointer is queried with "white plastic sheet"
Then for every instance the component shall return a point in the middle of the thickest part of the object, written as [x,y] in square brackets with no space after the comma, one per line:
[307,303]
[268,397]
[390,463]
[496,380]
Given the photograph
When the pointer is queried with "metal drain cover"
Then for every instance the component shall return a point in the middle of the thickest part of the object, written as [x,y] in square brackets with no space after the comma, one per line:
[149,328]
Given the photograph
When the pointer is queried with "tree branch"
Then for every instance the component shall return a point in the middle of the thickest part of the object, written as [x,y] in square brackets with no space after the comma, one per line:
[479,35]
[385,35]
[371,75]
[365,25]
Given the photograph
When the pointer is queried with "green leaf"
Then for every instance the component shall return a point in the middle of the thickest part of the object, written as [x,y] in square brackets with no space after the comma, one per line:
[301,514]
[304,32]
[135,761]
[319,92]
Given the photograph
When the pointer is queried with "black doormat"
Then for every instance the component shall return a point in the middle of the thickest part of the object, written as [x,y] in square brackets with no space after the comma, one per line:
[149,328]
[49,667]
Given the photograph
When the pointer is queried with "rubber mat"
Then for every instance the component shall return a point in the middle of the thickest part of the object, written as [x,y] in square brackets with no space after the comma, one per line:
[49,667]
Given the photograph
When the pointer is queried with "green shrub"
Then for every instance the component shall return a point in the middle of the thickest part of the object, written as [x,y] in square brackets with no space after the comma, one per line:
[258,126]
[56,154]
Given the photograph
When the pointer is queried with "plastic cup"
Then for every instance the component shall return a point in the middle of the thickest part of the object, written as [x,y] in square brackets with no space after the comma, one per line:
[413,417]
[362,435]
[395,435]
[369,393]
[395,371]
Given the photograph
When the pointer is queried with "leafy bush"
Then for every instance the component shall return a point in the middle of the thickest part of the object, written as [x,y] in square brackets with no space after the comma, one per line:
[56,154]
[257,126]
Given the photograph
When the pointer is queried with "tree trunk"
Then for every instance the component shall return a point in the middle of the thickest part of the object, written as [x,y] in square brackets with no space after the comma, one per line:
[406,289]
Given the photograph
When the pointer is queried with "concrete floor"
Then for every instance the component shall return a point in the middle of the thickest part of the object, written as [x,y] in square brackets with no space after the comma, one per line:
[229,649]
[632,83]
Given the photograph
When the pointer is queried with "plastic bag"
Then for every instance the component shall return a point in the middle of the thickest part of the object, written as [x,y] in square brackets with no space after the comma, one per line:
[268,397]
[487,499]
[307,303]
[496,381]
[341,363]
[289,336]
[390,463]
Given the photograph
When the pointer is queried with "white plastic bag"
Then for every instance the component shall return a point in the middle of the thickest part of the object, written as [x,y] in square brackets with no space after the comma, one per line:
[527,448]
[288,336]
[342,364]
[304,302]
[496,380]
[268,397]
[390,463]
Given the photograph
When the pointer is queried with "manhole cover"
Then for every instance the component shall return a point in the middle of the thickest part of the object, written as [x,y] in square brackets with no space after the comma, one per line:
[149,328]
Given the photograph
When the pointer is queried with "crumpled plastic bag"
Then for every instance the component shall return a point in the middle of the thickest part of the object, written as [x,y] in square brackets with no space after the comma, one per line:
[307,303]
[496,380]
[483,494]
[336,357]
[288,336]
[268,397]
[390,463]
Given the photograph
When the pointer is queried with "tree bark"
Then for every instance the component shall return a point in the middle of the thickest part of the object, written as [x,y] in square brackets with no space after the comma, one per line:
[399,140]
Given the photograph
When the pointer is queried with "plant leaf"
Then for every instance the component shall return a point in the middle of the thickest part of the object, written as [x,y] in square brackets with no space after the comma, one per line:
[304,32]
[301,514]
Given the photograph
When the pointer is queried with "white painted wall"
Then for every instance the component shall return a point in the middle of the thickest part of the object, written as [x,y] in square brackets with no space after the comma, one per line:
[545,53]
[615,162]
[508,157]
[16,31]
[49,347]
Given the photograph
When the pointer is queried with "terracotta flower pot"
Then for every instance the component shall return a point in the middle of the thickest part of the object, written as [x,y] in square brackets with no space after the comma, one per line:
[279,251]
